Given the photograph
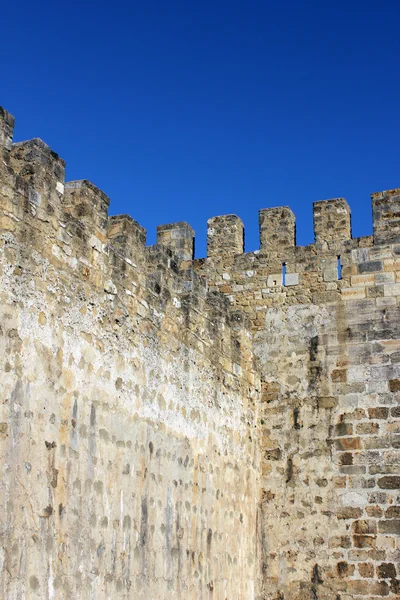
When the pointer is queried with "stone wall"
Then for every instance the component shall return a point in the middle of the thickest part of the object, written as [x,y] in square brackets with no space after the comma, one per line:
[219,429]
[128,401]
[325,321]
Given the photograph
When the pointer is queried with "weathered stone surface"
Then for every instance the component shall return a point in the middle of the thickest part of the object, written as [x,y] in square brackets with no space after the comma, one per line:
[225,235]
[129,465]
[179,237]
[389,483]
[327,350]
[392,526]
[332,221]
[386,216]
[175,428]
[386,571]
[277,228]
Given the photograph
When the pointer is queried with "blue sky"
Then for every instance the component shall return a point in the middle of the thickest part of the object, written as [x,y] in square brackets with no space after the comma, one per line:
[181,111]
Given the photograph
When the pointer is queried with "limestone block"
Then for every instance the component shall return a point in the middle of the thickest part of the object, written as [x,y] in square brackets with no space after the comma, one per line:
[274,280]
[291,279]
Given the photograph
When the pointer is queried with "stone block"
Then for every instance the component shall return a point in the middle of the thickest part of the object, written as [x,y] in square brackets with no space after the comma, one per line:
[353,293]
[349,512]
[393,512]
[391,526]
[389,482]
[366,570]
[291,279]
[360,280]
[382,278]
[379,412]
[365,588]
[327,402]
[274,280]
[391,289]
[343,429]
[386,571]
[365,527]
[372,266]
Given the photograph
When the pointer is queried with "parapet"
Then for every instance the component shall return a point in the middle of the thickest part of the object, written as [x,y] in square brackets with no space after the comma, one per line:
[6,129]
[225,236]
[332,221]
[386,216]
[178,237]
[277,228]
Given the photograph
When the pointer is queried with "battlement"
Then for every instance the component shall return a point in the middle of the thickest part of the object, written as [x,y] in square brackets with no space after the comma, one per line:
[109,252]
[43,171]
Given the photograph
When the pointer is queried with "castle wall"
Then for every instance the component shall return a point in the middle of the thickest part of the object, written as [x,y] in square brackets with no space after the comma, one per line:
[128,402]
[327,337]
[218,429]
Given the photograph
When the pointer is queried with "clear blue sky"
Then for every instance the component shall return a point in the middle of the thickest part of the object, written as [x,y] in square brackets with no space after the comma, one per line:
[186,110]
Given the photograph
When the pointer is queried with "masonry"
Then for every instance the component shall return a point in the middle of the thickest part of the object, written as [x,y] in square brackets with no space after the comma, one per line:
[225,428]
